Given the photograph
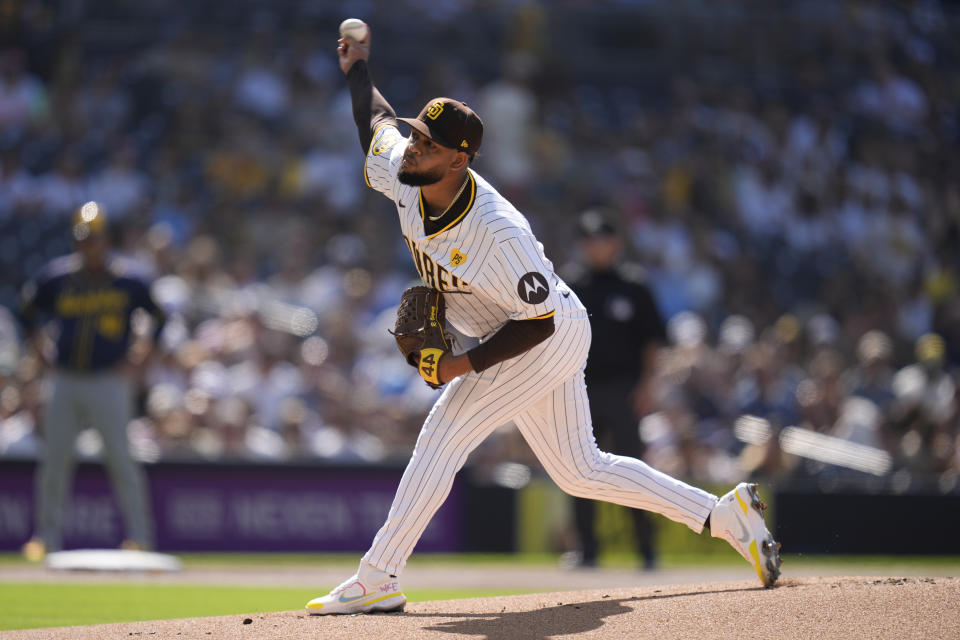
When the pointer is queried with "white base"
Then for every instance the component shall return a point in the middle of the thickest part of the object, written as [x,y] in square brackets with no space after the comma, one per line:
[112,560]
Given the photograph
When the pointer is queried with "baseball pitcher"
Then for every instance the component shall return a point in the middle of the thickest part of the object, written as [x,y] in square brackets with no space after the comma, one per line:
[478,253]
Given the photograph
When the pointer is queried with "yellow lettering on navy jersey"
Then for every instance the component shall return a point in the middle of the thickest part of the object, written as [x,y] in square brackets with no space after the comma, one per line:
[72,305]
[111,326]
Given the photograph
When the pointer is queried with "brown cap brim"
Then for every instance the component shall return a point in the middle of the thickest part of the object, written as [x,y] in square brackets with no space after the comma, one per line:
[422,127]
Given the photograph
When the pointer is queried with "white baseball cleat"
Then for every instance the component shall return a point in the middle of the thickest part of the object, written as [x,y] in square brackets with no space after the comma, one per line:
[738,519]
[366,591]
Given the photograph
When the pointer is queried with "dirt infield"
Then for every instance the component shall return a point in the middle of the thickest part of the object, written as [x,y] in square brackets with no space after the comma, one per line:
[806,607]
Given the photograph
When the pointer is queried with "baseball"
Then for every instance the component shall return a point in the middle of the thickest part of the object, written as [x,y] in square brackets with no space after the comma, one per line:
[354,28]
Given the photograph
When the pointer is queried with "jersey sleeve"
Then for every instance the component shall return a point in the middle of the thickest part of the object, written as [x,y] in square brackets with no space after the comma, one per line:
[523,280]
[143,298]
[36,298]
[383,160]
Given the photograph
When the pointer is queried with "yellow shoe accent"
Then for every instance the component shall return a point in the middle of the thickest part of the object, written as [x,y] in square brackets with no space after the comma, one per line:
[756,560]
[743,505]
[392,595]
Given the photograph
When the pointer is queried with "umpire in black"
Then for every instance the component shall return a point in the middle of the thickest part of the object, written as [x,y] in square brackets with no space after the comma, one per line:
[627,330]
[90,295]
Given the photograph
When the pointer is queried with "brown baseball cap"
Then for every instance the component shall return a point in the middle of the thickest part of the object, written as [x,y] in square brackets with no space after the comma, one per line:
[451,123]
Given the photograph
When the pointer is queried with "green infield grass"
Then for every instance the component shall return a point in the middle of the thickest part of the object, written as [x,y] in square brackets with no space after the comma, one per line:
[33,605]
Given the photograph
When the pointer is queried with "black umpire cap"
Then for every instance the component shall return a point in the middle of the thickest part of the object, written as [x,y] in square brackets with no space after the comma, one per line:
[596,223]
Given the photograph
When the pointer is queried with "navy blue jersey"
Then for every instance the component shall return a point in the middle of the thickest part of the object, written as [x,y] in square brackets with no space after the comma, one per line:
[92,310]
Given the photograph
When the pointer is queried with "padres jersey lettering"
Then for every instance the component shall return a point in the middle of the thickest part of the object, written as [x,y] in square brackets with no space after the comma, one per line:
[443,280]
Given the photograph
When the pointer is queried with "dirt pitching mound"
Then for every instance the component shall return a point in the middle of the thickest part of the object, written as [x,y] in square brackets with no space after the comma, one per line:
[836,607]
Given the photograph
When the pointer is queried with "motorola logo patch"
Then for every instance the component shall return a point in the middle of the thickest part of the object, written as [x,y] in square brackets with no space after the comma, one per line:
[533,288]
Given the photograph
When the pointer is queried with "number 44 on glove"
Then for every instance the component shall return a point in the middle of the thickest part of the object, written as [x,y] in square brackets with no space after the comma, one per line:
[419,331]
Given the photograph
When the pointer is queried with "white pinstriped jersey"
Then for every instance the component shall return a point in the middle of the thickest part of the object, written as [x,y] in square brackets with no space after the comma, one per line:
[484,248]
[486,257]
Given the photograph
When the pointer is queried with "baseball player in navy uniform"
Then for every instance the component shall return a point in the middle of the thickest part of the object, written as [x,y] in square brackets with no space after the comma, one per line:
[627,332]
[90,294]
[470,243]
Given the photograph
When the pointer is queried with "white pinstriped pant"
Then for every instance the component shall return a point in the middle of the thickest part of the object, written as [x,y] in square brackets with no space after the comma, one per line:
[544,393]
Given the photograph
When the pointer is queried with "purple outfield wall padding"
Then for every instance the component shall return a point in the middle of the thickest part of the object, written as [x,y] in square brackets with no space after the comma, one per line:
[231,507]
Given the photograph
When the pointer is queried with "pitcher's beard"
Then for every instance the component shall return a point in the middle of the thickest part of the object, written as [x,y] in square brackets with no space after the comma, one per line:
[416,179]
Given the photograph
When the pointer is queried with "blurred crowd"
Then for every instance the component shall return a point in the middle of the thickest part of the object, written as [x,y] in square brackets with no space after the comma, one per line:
[785,174]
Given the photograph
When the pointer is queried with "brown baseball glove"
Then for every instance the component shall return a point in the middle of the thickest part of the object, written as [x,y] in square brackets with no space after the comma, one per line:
[419,331]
